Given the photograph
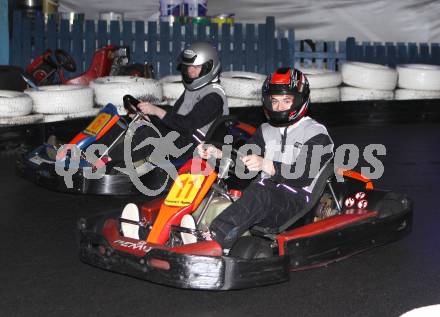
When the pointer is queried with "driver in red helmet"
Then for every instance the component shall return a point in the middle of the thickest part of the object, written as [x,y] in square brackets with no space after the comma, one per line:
[288,143]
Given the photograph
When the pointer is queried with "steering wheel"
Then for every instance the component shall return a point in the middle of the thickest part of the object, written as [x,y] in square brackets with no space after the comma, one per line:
[65,60]
[47,57]
[229,164]
[131,105]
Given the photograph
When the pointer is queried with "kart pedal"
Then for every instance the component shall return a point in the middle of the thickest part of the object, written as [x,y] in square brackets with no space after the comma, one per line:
[188,222]
[130,229]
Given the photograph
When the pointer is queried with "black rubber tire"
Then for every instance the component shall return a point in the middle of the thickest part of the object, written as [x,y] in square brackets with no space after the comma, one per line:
[250,247]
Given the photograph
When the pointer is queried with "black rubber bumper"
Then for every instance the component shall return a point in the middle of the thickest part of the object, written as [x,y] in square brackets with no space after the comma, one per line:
[109,184]
[45,176]
[185,271]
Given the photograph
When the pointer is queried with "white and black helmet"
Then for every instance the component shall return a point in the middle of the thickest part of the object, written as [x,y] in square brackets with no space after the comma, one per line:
[199,54]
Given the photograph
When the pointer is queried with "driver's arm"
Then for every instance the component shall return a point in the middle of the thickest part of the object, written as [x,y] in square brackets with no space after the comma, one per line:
[209,108]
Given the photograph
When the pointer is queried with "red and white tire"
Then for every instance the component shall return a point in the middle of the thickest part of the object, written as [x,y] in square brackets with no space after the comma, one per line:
[243,85]
[409,94]
[172,86]
[353,94]
[58,99]
[22,120]
[322,95]
[241,103]
[111,89]
[14,103]
[419,76]
[322,78]
[369,76]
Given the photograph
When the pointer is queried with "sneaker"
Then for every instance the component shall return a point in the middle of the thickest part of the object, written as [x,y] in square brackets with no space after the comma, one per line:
[188,222]
[130,229]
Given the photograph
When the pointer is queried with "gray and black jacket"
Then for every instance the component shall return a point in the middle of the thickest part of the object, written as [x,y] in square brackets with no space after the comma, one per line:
[197,110]
[292,149]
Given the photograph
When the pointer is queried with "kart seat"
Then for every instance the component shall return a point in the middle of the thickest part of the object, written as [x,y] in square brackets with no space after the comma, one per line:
[321,183]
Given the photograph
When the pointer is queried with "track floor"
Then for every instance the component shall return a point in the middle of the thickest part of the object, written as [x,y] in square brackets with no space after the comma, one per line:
[40,274]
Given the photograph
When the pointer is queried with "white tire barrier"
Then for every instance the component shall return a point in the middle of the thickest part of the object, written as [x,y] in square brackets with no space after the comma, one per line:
[57,99]
[369,76]
[244,85]
[352,94]
[172,86]
[111,89]
[419,76]
[22,120]
[409,94]
[70,116]
[241,103]
[325,95]
[14,103]
[322,78]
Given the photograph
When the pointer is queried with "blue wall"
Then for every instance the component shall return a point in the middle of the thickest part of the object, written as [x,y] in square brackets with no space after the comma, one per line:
[4,33]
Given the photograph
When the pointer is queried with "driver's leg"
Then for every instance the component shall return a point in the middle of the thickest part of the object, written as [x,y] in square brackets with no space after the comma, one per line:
[266,204]
[142,133]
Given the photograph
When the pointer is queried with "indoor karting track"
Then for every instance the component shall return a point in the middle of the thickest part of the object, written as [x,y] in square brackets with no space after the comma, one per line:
[41,274]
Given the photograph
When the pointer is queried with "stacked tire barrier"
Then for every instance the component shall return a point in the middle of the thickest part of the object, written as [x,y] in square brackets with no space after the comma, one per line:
[324,84]
[172,88]
[368,81]
[357,81]
[47,103]
[62,102]
[418,81]
[15,108]
[243,89]
[111,89]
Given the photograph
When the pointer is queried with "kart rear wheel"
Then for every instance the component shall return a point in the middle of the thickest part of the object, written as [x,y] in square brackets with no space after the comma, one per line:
[250,247]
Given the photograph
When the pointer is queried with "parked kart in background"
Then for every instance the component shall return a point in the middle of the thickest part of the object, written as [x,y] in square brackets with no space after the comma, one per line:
[108,128]
[340,219]
[49,67]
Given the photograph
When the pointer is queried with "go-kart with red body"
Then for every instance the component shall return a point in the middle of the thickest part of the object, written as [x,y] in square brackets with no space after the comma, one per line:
[341,219]
[49,67]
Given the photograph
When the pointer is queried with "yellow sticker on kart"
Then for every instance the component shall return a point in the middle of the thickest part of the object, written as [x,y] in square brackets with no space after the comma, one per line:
[96,126]
[184,190]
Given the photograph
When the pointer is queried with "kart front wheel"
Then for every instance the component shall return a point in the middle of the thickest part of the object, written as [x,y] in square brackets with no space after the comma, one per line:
[250,247]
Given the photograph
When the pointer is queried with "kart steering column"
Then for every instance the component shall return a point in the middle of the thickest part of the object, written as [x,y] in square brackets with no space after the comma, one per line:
[228,163]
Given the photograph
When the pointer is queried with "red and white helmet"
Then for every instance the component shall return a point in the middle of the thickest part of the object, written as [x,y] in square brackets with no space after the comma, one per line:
[286,81]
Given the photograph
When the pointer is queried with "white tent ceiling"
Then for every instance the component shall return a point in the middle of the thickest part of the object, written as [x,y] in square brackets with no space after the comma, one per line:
[367,20]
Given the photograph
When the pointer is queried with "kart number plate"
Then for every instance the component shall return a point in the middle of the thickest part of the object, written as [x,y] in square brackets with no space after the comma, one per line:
[96,126]
[184,190]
